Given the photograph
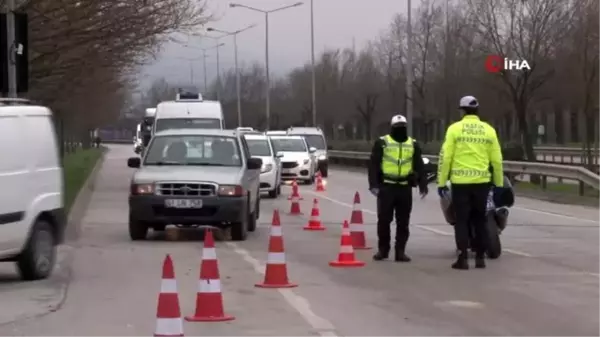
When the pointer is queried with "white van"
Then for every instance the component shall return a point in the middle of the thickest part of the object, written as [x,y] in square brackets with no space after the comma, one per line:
[32,219]
[188,111]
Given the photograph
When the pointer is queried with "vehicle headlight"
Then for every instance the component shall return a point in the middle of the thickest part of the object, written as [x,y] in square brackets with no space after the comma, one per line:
[142,189]
[306,161]
[266,168]
[322,157]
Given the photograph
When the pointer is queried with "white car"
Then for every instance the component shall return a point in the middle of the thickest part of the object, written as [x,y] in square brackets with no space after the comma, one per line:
[260,146]
[298,160]
[32,219]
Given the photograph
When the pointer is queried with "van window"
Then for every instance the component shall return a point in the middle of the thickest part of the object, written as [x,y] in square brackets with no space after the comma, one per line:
[187,123]
[316,141]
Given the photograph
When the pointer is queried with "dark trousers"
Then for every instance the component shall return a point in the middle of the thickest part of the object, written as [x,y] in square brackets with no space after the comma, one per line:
[398,199]
[469,202]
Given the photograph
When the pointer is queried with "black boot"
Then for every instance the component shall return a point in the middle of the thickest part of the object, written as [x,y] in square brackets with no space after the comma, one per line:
[401,256]
[462,263]
[480,261]
[380,256]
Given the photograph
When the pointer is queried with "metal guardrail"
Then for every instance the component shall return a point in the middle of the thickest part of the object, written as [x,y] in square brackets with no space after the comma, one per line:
[544,170]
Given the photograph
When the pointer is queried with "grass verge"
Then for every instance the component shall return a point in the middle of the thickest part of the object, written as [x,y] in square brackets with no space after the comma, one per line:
[77,167]
[559,192]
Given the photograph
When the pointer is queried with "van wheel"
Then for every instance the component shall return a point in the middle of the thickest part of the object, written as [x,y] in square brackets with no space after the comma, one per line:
[273,193]
[37,260]
[257,209]
[137,229]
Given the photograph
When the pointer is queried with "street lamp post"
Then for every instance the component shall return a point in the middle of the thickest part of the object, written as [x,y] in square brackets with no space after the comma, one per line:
[409,70]
[267,76]
[312,61]
[238,88]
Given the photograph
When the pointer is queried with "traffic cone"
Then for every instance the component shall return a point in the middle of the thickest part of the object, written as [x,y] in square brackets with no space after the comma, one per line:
[357,227]
[295,205]
[209,300]
[276,269]
[346,256]
[314,224]
[168,313]
[295,191]
[320,186]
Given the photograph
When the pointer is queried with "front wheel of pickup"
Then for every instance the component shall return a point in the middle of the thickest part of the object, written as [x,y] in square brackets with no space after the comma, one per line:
[239,230]
[137,229]
[37,260]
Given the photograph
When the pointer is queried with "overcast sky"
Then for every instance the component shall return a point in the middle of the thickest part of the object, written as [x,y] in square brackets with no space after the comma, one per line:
[337,24]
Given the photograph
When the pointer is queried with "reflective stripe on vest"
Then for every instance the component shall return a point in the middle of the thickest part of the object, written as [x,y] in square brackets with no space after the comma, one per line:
[397,160]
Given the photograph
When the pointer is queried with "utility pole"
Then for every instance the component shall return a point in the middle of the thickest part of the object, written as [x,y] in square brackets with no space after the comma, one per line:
[312,61]
[409,70]
[11,55]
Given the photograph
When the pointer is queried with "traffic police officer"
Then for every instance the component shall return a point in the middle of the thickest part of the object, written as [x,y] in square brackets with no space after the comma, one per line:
[395,167]
[470,147]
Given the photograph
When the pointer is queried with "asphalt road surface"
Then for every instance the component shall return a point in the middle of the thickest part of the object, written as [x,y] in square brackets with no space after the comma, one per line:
[545,283]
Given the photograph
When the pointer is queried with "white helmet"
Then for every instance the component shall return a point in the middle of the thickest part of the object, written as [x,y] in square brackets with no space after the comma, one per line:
[468,102]
[398,119]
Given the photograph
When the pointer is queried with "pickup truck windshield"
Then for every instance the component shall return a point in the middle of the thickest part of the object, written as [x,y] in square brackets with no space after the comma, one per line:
[288,145]
[187,123]
[316,141]
[259,147]
[193,151]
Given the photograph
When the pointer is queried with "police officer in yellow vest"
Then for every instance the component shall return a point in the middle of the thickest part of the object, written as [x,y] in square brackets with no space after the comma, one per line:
[396,166]
[469,148]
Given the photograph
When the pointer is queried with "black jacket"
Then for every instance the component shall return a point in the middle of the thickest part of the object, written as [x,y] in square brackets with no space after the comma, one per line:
[376,175]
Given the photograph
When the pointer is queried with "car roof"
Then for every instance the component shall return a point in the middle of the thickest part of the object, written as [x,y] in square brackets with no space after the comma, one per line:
[305,130]
[189,109]
[286,137]
[197,132]
[256,136]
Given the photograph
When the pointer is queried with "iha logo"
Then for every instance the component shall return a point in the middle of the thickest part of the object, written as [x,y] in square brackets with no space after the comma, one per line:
[496,63]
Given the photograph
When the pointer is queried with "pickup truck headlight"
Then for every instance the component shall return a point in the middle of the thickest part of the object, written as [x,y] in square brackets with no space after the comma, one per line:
[322,157]
[306,161]
[266,168]
[231,190]
[142,189]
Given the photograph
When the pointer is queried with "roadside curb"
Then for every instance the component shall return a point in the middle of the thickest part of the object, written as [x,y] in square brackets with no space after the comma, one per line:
[65,253]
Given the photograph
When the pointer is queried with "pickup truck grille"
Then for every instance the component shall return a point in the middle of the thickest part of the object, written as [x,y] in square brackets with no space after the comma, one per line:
[289,164]
[187,189]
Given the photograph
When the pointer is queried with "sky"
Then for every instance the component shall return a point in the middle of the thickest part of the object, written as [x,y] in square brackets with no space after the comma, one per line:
[337,24]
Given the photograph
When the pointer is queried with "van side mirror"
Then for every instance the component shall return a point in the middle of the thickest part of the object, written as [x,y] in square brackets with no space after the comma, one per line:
[279,155]
[312,149]
[134,162]
[254,163]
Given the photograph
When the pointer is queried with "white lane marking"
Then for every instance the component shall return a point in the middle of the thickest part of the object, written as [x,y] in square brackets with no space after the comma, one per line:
[516,252]
[299,303]
[462,304]
[427,228]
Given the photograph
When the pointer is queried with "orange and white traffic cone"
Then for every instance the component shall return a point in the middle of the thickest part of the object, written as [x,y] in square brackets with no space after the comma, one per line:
[209,299]
[295,191]
[295,205]
[276,269]
[357,227]
[168,313]
[346,256]
[320,186]
[314,224]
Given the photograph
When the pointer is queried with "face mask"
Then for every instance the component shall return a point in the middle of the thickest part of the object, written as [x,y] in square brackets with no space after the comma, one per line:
[399,133]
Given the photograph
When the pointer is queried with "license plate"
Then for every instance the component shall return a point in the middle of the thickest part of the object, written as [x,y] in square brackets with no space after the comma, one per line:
[183,203]
[288,171]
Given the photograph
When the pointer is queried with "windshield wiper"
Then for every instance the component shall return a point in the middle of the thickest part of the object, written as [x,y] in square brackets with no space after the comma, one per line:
[161,163]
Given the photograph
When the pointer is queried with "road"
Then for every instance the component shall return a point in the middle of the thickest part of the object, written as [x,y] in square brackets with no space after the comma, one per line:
[545,283]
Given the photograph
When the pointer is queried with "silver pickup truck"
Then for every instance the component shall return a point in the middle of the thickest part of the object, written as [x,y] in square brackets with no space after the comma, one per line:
[195,177]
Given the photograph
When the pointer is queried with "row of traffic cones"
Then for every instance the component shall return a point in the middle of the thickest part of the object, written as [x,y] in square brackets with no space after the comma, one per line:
[295,196]
[209,299]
